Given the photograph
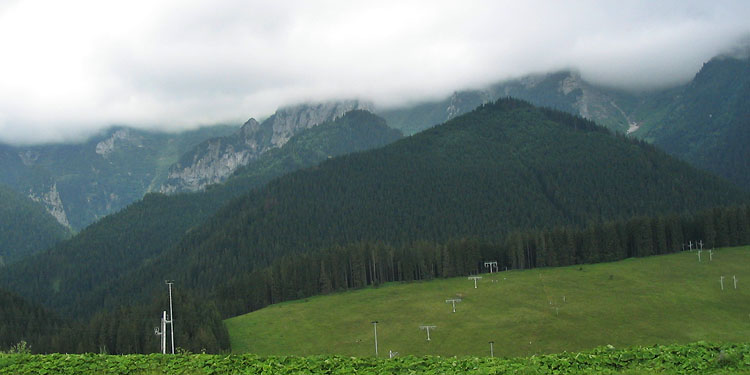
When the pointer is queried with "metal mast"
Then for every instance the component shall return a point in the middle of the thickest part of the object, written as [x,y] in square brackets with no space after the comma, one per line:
[375,326]
[171,316]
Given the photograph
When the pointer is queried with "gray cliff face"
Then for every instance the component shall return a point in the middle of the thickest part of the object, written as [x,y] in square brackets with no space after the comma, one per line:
[465,101]
[215,160]
[119,137]
[568,91]
[219,160]
[288,121]
[595,104]
[52,203]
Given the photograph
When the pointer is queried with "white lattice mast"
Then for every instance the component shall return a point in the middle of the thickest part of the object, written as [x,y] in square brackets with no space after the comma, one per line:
[490,265]
[428,328]
[475,278]
[453,301]
[171,316]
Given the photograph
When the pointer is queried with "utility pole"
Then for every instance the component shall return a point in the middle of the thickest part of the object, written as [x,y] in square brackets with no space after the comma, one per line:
[428,330]
[375,327]
[490,265]
[171,316]
[475,278]
[492,348]
[453,301]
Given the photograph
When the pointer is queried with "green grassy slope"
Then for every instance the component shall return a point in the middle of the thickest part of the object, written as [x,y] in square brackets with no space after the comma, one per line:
[643,301]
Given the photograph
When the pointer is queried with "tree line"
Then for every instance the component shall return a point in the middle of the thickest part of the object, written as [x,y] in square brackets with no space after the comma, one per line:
[124,330]
[364,263]
[199,313]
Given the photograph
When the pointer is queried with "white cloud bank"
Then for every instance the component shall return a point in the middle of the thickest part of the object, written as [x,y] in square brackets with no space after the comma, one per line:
[70,67]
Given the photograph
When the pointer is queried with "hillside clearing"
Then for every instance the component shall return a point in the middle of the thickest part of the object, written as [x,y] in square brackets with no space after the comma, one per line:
[638,301]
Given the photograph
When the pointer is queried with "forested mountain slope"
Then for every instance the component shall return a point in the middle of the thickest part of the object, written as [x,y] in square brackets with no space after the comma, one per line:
[84,265]
[128,329]
[704,122]
[707,123]
[25,227]
[23,321]
[504,166]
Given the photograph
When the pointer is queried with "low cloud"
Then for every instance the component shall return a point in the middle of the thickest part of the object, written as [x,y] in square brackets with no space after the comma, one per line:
[70,68]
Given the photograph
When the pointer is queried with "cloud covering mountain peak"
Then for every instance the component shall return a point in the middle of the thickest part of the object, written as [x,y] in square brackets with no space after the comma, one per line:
[70,68]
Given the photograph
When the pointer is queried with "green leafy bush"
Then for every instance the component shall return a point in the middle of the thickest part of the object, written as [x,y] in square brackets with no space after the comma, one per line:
[700,357]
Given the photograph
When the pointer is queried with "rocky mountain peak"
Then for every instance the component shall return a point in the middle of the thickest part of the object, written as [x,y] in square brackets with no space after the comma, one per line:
[464,101]
[119,136]
[287,121]
[216,159]
[249,127]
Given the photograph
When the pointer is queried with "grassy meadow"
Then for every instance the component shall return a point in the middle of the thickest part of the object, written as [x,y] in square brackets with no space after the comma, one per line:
[640,301]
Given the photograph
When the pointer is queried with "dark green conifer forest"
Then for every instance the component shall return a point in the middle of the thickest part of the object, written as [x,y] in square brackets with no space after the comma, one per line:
[708,122]
[25,227]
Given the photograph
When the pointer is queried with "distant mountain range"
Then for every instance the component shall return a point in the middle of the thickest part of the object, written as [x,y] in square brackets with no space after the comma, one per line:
[704,122]
[81,183]
[654,116]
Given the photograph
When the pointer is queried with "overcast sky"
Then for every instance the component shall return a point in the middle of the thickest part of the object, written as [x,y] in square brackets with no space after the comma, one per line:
[70,67]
